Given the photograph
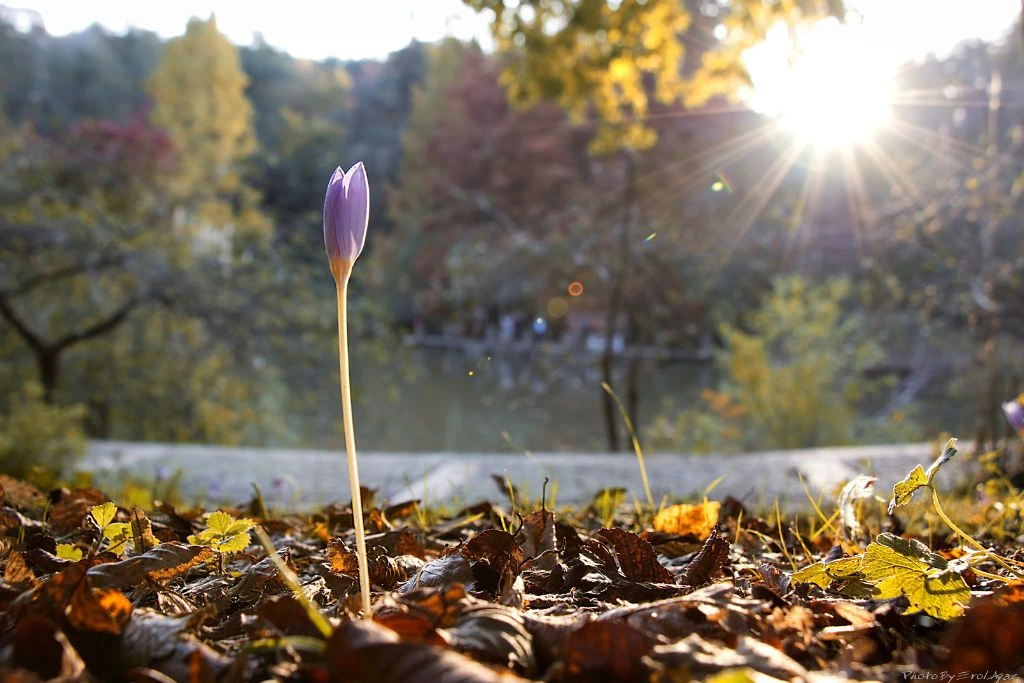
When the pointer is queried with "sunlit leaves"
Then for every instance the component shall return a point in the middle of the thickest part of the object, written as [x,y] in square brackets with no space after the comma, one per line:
[822,574]
[698,519]
[940,593]
[594,56]
[224,533]
[117,536]
[904,490]
[103,514]
[896,567]
[67,551]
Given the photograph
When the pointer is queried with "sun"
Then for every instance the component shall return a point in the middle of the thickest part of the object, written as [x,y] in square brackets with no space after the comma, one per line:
[829,86]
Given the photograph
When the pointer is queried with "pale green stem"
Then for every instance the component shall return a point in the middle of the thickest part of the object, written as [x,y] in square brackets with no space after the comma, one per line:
[636,444]
[350,446]
[292,581]
[998,559]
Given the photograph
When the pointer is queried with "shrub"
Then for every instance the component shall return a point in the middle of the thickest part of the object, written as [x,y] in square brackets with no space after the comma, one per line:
[39,439]
[794,377]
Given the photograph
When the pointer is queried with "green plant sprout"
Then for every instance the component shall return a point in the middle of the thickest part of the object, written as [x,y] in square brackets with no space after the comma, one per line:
[904,490]
[892,566]
[346,217]
[116,534]
[224,534]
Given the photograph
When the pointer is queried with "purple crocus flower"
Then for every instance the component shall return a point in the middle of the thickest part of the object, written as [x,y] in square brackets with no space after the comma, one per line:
[1014,412]
[346,215]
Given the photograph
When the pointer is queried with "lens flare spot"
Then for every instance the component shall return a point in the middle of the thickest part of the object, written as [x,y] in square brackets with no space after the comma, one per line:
[575,288]
[558,307]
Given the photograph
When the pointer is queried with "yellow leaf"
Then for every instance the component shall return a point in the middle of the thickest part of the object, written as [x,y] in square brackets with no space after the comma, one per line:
[732,676]
[219,522]
[685,519]
[903,491]
[103,514]
[233,544]
[936,592]
[822,575]
[117,535]
[67,551]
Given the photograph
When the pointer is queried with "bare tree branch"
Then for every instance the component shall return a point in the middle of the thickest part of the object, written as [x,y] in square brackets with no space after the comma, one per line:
[62,274]
[20,327]
[100,328]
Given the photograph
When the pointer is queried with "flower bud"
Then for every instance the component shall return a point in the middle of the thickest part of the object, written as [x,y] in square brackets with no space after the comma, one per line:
[1014,412]
[346,215]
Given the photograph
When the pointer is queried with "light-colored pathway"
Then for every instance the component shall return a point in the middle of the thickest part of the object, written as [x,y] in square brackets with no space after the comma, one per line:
[306,478]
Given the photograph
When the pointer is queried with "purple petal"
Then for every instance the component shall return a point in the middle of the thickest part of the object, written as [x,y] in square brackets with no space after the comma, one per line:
[332,203]
[1014,412]
[346,215]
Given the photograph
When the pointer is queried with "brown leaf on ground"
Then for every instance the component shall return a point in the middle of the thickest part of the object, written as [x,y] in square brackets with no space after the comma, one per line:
[161,564]
[411,627]
[401,510]
[441,607]
[990,637]
[39,647]
[494,634]
[21,494]
[496,559]
[68,597]
[695,656]
[443,572]
[606,651]
[494,546]
[287,616]
[708,562]
[143,539]
[539,530]
[157,642]
[262,579]
[398,542]
[774,578]
[98,610]
[636,556]
[385,571]
[365,651]
[17,572]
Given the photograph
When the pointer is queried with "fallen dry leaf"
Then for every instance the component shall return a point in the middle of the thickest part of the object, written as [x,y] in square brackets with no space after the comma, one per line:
[686,519]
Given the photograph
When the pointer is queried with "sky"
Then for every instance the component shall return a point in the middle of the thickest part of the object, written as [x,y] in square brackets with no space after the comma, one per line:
[347,29]
[353,29]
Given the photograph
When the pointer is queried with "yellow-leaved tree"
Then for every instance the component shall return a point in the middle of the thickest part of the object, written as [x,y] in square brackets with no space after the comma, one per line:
[198,92]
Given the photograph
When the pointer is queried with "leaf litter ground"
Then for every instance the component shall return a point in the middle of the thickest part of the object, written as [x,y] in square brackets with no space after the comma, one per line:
[91,591]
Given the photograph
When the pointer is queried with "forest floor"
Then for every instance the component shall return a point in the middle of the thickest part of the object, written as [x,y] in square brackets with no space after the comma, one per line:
[610,591]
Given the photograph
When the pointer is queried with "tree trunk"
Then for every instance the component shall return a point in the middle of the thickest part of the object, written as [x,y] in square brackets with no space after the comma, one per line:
[615,298]
[48,361]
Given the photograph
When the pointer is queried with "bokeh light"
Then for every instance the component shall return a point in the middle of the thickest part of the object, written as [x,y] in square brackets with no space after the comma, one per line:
[558,307]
